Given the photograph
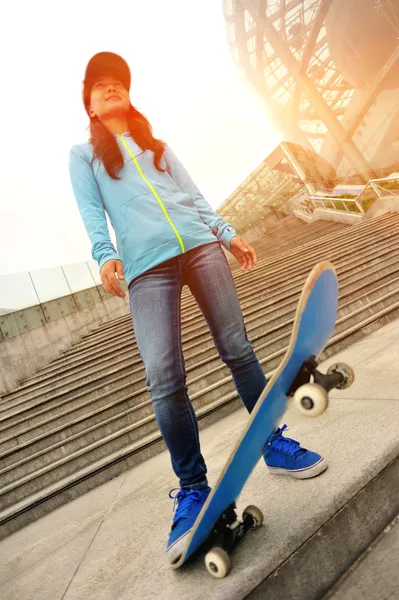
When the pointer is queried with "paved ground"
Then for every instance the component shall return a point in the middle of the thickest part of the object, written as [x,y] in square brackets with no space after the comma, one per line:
[375,576]
[109,544]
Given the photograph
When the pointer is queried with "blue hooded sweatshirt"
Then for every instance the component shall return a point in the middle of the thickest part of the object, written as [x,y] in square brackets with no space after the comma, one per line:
[155,215]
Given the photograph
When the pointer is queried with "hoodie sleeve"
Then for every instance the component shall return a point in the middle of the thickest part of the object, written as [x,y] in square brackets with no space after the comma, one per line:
[223,231]
[91,207]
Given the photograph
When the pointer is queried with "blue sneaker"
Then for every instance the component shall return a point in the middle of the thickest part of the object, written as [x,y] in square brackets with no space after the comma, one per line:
[187,506]
[284,456]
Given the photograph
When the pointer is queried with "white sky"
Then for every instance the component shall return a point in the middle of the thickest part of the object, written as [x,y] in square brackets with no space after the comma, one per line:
[183,79]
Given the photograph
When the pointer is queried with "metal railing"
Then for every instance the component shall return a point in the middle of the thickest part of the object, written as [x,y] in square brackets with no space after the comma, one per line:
[336,204]
[375,188]
[302,209]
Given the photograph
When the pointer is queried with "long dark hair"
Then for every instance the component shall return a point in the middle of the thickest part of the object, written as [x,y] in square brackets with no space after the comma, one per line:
[107,150]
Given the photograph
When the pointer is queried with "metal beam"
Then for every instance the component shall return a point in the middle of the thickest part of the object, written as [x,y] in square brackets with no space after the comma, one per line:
[308,51]
[297,168]
[369,98]
[372,92]
[310,90]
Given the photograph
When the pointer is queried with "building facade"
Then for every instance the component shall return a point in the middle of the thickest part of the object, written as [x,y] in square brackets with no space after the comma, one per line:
[328,73]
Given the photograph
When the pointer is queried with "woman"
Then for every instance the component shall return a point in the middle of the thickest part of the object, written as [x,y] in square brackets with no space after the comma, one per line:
[167,237]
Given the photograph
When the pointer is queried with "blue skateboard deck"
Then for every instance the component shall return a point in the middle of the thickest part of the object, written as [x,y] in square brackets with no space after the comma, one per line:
[313,326]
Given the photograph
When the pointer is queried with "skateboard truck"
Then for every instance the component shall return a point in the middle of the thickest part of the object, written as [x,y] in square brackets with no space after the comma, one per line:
[227,532]
[311,399]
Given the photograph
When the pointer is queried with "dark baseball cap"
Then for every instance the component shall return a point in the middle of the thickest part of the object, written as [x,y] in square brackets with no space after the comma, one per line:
[104,64]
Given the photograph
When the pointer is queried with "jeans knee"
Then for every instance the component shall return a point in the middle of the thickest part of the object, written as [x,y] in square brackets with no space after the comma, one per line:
[164,381]
[237,349]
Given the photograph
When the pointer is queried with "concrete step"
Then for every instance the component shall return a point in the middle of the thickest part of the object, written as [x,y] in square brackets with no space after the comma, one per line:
[375,573]
[70,460]
[380,263]
[336,248]
[362,234]
[115,411]
[8,405]
[107,364]
[360,288]
[187,324]
[277,240]
[112,323]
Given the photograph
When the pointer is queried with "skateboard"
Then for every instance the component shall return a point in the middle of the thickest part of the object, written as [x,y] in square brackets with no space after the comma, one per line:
[218,528]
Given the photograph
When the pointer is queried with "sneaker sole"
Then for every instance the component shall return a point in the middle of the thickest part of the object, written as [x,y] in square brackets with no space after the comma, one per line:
[306,473]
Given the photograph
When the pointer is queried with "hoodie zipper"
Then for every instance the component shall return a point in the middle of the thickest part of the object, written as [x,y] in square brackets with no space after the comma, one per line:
[161,204]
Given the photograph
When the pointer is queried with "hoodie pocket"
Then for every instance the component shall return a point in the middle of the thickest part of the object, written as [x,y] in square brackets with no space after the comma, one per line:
[144,226]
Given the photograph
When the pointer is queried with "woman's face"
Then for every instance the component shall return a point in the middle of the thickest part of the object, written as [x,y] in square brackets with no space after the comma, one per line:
[108,98]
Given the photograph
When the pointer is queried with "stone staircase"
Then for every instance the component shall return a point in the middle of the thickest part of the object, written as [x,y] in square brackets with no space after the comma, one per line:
[88,417]
[287,233]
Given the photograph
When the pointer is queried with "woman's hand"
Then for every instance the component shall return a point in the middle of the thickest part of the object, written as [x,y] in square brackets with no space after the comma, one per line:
[108,273]
[243,252]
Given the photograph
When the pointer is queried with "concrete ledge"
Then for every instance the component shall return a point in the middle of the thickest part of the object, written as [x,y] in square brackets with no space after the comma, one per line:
[302,216]
[23,354]
[382,206]
[323,558]
[375,574]
[337,216]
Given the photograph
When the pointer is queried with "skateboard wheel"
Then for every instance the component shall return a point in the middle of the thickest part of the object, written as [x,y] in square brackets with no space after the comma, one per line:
[346,371]
[311,399]
[218,562]
[256,514]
